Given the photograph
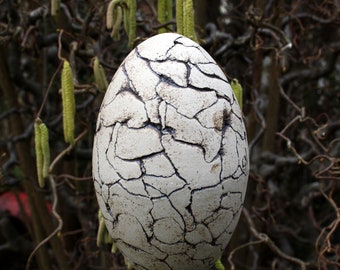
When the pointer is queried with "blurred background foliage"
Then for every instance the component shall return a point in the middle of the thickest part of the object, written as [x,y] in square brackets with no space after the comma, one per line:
[285,53]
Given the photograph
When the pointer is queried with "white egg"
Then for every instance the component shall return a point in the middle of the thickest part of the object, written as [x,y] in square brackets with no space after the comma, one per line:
[170,156]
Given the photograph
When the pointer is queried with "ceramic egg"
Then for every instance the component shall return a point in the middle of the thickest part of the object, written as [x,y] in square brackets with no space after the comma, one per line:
[170,156]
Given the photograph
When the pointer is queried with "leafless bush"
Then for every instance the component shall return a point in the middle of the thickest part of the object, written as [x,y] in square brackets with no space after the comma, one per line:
[286,56]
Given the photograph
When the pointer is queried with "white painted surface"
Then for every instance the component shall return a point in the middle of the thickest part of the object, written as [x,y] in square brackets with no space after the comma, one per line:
[170,156]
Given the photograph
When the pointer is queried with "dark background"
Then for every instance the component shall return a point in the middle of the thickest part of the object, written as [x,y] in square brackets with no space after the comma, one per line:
[286,56]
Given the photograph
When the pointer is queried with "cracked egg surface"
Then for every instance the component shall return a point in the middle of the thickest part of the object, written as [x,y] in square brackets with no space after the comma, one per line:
[170,156]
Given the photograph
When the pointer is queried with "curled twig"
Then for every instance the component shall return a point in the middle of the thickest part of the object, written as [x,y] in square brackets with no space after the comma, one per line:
[231,254]
[326,234]
[270,243]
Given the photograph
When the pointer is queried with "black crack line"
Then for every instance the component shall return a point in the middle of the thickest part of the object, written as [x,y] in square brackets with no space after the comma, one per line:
[182,141]
[227,194]
[241,199]
[194,145]
[130,246]
[238,176]
[198,47]
[152,156]
[148,238]
[131,192]
[173,165]
[97,163]
[238,161]
[152,197]
[124,88]
[162,179]
[147,125]
[99,182]
[146,185]
[177,41]
[199,145]
[138,159]
[207,187]
[237,116]
[196,89]
[138,54]
[203,109]
[108,161]
[214,76]
[159,176]
[160,260]
[230,177]
[149,122]
[132,89]
[108,210]
[225,230]
[238,157]
[207,89]
[177,189]
[165,243]
[179,213]
[243,136]
[168,58]
[99,125]
[142,167]
[222,153]
[99,192]
[164,78]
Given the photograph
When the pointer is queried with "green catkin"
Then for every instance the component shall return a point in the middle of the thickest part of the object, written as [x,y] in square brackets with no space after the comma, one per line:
[110,18]
[164,11]
[131,17]
[45,147]
[126,19]
[67,93]
[101,229]
[55,6]
[219,265]
[189,20]
[42,151]
[169,13]
[238,91]
[161,14]
[107,238]
[99,76]
[113,248]
[38,152]
[118,15]
[109,15]
[179,17]
[115,15]
[103,236]
[128,265]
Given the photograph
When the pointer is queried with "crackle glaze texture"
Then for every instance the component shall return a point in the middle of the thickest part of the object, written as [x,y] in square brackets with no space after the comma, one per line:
[170,156]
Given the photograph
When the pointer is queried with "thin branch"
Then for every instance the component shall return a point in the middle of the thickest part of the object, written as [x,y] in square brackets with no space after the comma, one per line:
[57,229]
[269,242]
[48,89]
[66,151]
[230,257]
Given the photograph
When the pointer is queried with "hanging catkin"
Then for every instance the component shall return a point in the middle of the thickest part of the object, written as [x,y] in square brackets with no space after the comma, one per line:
[42,151]
[238,91]
[67,93]
[99,76]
